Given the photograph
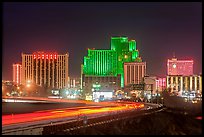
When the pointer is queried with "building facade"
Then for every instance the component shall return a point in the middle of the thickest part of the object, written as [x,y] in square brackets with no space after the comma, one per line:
[126,52]
[110,62]
[73,91]
[45,69]
[100,63]
[134,72]
[160,84]
[17,73]
[98,84]
[150,84]
[106,66]
[184,83]
[179,67]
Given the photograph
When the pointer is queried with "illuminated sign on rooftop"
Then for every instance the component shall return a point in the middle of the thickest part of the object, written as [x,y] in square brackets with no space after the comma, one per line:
[42,55]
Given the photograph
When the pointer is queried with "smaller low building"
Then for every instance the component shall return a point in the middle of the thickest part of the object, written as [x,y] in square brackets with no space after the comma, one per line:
[150,84]
[160,84]
[180,84]
[92,85]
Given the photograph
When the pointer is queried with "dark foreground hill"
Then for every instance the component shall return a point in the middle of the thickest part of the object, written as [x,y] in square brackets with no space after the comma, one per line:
[160,123]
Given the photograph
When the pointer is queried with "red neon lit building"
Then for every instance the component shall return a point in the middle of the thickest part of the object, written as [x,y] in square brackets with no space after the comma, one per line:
[17,68]
[179,67]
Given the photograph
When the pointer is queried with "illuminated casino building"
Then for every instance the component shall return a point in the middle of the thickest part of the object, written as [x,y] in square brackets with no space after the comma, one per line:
[180,84]
[45,69]
[179,67]
[17,73]
[181,79]
[100,63]
[134,72]
[126,52]
[160,84]
[107,65]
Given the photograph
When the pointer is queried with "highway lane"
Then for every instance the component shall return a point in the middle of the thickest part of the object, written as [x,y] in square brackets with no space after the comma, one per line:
[57,100]
[20,105]
[67,112]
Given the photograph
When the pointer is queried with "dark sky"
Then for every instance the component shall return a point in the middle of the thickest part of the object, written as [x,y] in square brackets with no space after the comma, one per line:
[159,29]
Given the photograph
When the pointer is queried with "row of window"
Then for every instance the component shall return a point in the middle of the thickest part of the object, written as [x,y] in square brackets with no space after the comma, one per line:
[132,73]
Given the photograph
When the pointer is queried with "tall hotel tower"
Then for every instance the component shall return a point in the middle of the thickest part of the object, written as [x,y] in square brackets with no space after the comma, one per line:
[105,68]
[17,69]
[45,69]
[134,72]
[110,62]
[179,67]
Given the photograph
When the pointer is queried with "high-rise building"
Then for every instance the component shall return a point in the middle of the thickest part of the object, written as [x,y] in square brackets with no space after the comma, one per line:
[134,72]
[100,63]
[126,52]
[108,64]
[179,67]
[17,69]
[45,69]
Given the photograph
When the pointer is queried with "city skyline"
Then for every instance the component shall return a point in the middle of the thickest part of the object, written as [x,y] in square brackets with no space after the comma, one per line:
[160,29]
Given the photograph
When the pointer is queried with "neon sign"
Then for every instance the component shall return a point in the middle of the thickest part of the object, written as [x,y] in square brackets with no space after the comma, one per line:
[42,55]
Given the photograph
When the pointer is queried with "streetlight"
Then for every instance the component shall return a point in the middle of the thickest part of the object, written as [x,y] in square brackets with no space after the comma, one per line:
[28,85]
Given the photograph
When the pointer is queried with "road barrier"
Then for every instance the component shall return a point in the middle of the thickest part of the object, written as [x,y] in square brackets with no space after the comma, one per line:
[81,124]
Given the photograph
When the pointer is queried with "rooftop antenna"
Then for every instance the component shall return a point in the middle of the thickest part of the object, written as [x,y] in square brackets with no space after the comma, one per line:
[174,55]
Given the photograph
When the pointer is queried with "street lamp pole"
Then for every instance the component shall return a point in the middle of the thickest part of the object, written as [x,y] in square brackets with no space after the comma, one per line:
[151,92]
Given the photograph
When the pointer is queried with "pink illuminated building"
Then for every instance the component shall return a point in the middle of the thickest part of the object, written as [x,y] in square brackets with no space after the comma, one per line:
[179,67]
[17,68]
[160,84]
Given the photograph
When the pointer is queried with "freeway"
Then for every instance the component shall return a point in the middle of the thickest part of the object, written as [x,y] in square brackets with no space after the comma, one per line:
[43,117]
[18,105]
[65,112]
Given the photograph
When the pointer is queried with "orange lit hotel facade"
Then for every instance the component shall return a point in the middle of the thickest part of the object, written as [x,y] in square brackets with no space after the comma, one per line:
[134,72]
[17,73]
[45,69]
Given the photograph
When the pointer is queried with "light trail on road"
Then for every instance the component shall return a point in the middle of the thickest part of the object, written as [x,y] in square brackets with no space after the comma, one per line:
[68,112]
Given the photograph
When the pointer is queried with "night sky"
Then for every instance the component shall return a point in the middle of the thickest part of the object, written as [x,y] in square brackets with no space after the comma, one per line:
[159,29]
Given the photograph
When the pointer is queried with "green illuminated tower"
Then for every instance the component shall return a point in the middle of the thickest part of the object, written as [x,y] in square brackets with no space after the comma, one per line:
[100,63]
[126,52]
[110,62]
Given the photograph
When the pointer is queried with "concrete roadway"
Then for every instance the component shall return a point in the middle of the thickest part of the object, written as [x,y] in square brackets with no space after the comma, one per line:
[68,113]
